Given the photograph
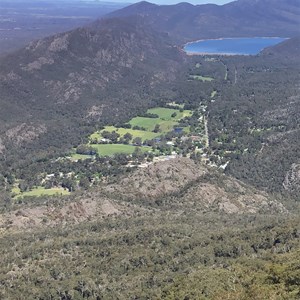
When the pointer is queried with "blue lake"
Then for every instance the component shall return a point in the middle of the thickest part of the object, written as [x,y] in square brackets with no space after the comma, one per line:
[238,46]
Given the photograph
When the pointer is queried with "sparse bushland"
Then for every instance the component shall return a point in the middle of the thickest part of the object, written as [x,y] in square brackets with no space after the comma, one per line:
[155,255]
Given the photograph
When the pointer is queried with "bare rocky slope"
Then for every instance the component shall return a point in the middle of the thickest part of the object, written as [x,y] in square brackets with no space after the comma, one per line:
[184,184]
[177,186]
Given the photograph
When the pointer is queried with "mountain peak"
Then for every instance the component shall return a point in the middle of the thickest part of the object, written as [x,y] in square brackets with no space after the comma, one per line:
[184,4]
[138,8]
[186,22]
[144,4]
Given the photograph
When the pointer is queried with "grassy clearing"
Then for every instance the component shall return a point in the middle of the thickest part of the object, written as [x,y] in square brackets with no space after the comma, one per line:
[213,94]
[147,123]
[111,149]
[167,126]
[165,120]
[166,113]
[144,135]
[202,78]
[97,135]
[40,191]
[15,190]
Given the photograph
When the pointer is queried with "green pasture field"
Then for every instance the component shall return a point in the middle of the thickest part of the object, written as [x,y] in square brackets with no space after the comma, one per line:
[165,121]
[147,123]
[165,113]
[41,191]
[167,126]
[144,135]
[111,149]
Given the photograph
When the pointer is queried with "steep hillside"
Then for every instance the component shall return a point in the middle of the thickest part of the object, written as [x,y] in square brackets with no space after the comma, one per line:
[289,49]
[176,186]
[184,184]
[102,73]
[184,21]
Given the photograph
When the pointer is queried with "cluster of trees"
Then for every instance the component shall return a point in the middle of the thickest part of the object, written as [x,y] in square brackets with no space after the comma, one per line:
[86,150]
[149,115]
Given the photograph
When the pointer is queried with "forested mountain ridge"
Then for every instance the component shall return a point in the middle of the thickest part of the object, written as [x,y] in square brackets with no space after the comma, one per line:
[81,76]
[186,22]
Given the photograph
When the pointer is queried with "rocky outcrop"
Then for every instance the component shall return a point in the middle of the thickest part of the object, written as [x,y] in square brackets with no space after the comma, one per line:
[185,184]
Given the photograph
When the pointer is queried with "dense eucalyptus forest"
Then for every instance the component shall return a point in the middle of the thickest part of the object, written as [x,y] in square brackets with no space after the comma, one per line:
[197,194]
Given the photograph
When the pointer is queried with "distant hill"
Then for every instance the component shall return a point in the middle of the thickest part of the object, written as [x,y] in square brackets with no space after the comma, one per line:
[185,21]
[25,21]
[289,49]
